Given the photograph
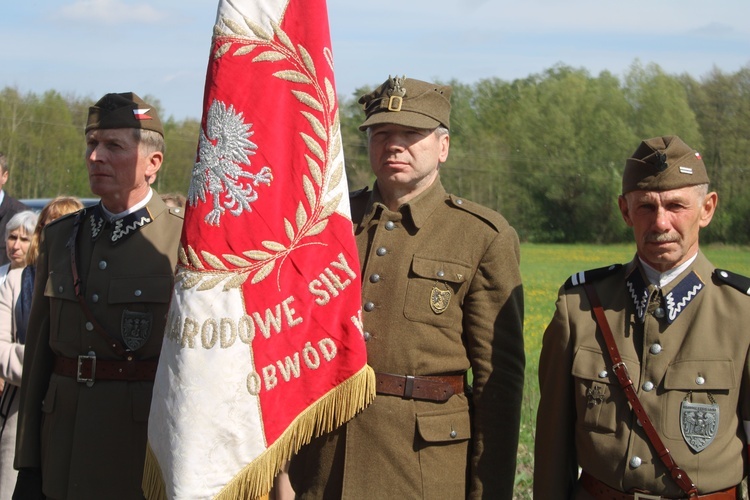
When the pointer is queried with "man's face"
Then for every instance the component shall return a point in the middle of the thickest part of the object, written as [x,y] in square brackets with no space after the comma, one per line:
[118,170]
[666,223]
[404,159]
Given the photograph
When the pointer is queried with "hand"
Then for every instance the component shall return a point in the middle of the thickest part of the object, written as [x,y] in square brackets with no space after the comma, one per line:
[28,484]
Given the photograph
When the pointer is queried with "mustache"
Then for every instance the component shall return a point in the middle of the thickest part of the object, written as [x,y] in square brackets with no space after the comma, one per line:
[662,238]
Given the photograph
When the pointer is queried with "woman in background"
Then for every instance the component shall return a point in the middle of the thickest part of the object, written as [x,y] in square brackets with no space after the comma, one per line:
[15,302]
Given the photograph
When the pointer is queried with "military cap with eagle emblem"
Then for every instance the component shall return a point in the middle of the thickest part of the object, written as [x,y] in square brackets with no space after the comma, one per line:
[663,164]
[407,102]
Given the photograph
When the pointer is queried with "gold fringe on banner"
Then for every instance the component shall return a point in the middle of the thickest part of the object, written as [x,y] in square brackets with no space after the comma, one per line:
[339,405]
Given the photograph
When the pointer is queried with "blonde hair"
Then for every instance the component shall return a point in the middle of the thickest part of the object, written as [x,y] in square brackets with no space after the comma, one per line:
[55,208]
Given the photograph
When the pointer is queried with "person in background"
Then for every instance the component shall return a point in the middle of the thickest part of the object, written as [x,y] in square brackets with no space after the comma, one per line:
[432,309]
[9,206]
[16,242]
[18,235]
[659,406]
[102,291]
[174,200]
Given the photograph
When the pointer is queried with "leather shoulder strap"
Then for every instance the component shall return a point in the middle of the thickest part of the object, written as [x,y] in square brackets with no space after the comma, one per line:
[623,377]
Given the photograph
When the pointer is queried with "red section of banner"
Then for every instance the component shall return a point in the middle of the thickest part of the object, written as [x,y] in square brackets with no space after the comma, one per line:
[270,219]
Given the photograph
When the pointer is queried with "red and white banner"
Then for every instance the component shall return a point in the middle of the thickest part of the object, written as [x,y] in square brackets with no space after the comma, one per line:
[263,348]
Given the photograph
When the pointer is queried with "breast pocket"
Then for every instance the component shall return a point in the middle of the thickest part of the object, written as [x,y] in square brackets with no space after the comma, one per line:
[596,389]
[65,312]
[435,291]
[698,381]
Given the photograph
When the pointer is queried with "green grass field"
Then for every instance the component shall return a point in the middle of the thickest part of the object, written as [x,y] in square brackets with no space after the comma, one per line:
[544,269]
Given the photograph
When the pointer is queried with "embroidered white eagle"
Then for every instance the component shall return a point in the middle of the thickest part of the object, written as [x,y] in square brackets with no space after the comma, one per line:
[223,148]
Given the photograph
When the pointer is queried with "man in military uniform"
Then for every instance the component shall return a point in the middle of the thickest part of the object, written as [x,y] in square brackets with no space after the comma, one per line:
[441,295]
[104,280]
[680,329]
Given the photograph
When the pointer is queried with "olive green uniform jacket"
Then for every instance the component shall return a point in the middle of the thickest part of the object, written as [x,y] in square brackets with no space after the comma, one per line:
[584,418]
[90,442]
[408,448]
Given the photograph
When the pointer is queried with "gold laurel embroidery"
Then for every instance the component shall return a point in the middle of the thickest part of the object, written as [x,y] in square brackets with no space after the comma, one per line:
[259,263]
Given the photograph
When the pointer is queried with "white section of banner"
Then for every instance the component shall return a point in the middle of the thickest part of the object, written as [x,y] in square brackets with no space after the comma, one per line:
[259,11]
[218,429]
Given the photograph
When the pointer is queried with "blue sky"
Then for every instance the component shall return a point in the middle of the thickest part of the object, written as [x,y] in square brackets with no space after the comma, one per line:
[89,47]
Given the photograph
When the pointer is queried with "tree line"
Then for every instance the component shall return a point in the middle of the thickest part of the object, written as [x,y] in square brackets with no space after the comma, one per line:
[546,151]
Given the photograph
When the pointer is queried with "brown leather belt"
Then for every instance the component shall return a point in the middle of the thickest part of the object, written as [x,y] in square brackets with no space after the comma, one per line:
[87,368]
[601,491]
[431,388]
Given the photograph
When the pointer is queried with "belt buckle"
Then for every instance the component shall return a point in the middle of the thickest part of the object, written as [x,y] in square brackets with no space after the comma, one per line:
[643,496]
[90,357]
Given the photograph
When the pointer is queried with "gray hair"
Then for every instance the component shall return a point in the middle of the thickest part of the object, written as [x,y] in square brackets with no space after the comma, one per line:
[701,190]
[150,140]
[26,220]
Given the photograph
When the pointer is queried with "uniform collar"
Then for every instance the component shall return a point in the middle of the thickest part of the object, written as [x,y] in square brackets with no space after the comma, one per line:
[676,296]
[418,209]
[127,223]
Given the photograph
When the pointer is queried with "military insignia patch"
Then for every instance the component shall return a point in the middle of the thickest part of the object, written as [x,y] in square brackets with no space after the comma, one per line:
[699,424]
[595,395]
[439,299]
[136,329]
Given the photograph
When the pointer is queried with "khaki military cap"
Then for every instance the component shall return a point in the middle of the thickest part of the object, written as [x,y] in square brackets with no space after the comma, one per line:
[663,164]
[407,102]
[124,110]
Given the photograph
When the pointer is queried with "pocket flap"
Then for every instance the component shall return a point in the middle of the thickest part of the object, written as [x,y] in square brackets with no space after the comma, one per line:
[593,364]
[444,425]
[441,270]
[701,375]
[140,289]
[60,286]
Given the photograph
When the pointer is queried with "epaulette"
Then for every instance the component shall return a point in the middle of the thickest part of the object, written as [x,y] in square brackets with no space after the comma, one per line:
[582,277]
[488,215]
[358,192]
[741,283]
[82,211]
[177,212]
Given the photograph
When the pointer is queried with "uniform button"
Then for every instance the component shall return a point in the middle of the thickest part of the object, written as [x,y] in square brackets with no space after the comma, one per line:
[440,274]
[374,278]
[724,274]
[95,298]
[659,312]
[390,225]
[459,202]
[454,434]
[700,380]
[603,374]
[138,293]
[89,326]
[60,289]
[381,251]
[102,265]
[655,348]
[367,336]
[648,386]
[369,306]
[635,462]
